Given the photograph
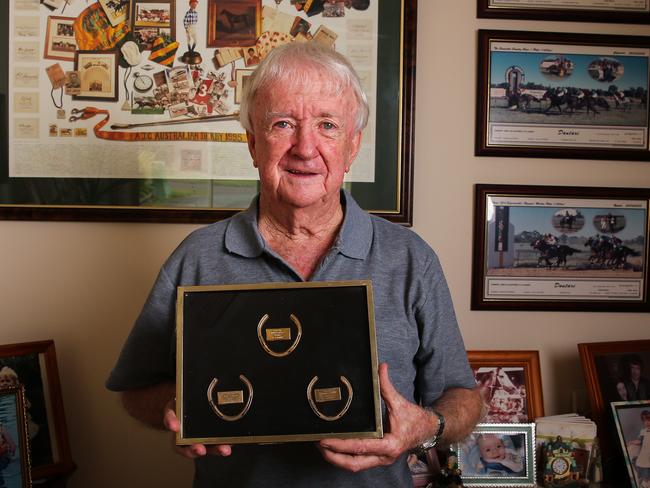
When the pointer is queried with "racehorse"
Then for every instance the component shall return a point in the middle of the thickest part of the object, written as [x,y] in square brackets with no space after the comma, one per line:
[525,99]
[548,252]
[607,254]
[237,21]
[623,102]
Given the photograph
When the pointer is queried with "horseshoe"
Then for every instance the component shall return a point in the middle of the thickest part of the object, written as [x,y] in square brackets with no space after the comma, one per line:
[215,408]
[313,406]
[293,346]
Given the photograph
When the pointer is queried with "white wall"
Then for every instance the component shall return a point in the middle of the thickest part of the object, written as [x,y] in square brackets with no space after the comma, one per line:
[82,284]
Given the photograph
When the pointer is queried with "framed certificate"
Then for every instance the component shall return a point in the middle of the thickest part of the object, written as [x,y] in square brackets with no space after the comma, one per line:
[276,362]
[560,248]
[554,95]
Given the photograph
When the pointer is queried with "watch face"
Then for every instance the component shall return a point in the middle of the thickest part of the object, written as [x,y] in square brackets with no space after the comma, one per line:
[142,83]
[560,466]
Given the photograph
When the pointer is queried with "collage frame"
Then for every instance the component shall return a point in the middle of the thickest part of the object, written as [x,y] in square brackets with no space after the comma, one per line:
[389,195]
[511,275]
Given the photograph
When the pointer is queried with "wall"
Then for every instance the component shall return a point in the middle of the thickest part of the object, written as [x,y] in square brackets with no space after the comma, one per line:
[82,284]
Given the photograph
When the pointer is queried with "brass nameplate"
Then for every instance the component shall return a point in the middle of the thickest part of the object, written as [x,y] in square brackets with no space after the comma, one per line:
[322,395]
[283,334]
[230,397]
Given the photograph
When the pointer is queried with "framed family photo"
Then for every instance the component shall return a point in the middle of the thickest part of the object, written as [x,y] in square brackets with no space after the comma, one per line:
[14,443]
[510,384]
[560,248]
[125,160]
[558,95]
[614,372]
[33,365]
[97,74]
[632,420]
[498,455]
[619,11]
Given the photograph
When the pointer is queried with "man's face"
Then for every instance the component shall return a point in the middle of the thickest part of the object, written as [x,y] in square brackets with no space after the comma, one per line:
[635,371]
[303,141]
[6,380]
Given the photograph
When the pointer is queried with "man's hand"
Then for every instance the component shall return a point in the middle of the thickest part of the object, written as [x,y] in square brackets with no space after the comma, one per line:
[172,424]
[409,425]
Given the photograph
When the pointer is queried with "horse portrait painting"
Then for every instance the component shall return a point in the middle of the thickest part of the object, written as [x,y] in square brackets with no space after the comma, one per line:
[233,22]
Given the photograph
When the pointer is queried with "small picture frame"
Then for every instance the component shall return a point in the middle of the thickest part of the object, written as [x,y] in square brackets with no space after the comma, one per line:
[423,467]
[510,385]
[98,75]
[60,42]
[566,10]
[33,365]
[559,95]
[498,455]
[14,443]
[234,23]
[632,421]
[242,77]
[151,19]
[560,248]
[614,372]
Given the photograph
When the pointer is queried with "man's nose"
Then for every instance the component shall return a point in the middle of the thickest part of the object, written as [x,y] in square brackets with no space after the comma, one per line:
[305,143]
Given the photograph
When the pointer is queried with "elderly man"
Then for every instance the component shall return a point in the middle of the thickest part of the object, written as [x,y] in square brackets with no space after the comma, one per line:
[303,112]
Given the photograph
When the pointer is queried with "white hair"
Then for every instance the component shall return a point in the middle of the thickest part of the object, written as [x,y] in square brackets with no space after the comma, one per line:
[293,65]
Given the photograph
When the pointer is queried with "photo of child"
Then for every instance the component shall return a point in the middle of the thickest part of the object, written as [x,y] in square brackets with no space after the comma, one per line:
[642,462]
[495,457]
[633,426]
[498,452]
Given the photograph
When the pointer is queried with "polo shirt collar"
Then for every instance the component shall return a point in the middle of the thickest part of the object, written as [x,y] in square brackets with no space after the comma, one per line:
[354,239]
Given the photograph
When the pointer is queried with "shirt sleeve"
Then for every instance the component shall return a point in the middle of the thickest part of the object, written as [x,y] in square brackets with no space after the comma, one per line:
[148,355]
[441,360]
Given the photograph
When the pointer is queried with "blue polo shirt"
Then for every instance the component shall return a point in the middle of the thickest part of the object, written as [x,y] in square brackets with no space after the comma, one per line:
[417,333]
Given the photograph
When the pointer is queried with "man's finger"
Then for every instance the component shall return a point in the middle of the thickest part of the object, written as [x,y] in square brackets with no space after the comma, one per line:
[391,396]
[350,462]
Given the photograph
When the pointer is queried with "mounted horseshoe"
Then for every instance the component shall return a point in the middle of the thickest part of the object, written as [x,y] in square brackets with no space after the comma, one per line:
[230,397]
[327,395]
[283,334]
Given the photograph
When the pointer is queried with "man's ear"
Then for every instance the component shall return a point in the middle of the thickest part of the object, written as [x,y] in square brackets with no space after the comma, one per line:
[355,145]
[250,140]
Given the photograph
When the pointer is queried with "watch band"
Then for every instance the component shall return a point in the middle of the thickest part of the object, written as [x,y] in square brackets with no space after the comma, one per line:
[432,441]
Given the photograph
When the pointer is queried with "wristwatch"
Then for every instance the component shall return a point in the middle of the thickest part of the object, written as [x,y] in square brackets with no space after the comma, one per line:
[432,441]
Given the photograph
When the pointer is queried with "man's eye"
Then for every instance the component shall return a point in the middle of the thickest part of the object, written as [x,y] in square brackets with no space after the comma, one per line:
[282,124]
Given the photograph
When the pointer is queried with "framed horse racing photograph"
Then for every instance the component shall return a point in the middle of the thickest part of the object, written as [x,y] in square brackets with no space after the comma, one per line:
[560,248]
[103,162]
[618,11]
[559,95]
[510,383]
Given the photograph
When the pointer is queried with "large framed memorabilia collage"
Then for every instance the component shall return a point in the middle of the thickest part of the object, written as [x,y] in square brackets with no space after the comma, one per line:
[127,110]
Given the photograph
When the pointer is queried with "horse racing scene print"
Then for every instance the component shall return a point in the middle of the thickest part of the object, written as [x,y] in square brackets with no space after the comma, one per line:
[567,95]
[547,247]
